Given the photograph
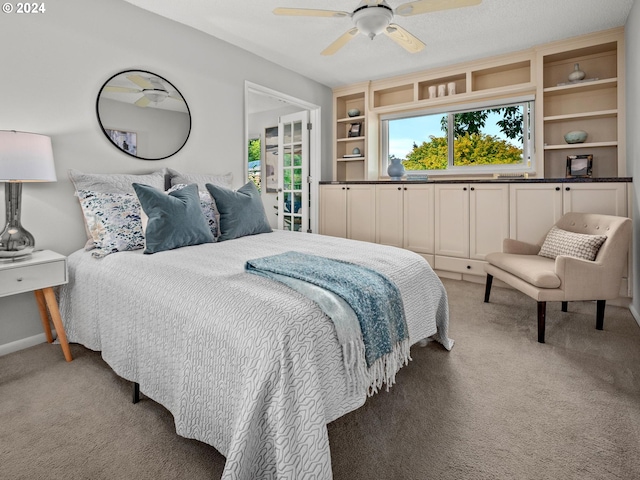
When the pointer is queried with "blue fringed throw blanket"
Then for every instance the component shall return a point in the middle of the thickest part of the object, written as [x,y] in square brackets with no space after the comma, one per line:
[353,296]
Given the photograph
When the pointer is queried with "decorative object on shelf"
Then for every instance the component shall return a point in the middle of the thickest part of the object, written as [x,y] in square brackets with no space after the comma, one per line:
[354,130]
[442,90]
[451,88]
[432,91]
[354,112]
[395,169]
[577,74]
[24,157]
[356,151]
[579,166]
[576,136]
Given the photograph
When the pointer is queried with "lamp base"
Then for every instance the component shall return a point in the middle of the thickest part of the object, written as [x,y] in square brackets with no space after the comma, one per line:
[15,241]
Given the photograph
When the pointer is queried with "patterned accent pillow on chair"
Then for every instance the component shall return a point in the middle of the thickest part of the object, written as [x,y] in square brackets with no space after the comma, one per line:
[578,245]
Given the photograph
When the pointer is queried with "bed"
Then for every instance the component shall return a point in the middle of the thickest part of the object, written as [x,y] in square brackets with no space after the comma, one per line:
[243,363]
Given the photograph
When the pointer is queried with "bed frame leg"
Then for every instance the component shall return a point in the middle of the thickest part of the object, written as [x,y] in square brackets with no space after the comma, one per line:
[136,392]
[487,288]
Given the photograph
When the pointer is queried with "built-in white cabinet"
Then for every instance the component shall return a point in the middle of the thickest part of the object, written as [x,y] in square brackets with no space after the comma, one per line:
[455,225]
[472,220]
[536,207]
[405,217]
[348,211]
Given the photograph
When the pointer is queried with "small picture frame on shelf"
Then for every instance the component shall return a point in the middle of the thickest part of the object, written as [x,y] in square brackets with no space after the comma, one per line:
[579,166]
[355,130]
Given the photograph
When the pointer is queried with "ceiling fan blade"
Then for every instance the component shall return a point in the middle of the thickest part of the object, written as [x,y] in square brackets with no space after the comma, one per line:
[310,12]
[112,88]
[142,101]
[141,81]
[425,6]
[176,96]
[340,42]
[403,38]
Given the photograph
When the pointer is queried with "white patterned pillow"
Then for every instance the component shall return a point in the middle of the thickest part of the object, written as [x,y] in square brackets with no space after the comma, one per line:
[113,220]
[578,245]
[209,209]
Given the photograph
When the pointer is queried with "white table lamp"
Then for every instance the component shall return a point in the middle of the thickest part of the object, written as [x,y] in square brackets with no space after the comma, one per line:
[24,157]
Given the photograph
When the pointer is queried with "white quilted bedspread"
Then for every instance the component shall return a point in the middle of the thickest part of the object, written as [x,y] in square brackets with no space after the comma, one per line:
[243,363]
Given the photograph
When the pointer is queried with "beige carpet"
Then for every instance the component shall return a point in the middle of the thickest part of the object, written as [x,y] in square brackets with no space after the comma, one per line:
[498,406]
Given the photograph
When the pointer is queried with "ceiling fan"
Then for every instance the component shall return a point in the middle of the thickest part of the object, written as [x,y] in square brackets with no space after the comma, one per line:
[152,90]
[373,17]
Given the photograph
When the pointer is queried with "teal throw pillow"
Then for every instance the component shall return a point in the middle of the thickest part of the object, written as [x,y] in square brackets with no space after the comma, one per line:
[241,211]
[175,219]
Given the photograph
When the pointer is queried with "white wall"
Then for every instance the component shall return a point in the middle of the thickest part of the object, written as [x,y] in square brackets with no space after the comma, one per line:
[632,44]
[53,66]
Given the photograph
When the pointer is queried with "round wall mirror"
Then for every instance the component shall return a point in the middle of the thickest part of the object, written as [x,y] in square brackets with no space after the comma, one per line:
[143,115]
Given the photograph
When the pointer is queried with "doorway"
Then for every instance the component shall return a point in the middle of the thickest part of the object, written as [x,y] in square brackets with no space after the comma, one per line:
[264,108]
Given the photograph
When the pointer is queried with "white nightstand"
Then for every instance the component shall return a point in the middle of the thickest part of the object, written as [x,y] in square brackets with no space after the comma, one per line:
[39,273]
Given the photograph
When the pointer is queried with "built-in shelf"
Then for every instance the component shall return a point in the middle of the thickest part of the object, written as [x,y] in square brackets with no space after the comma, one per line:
[350,159]
[350,139]
[582,116]
[581,86]
[351,119]
[568,146]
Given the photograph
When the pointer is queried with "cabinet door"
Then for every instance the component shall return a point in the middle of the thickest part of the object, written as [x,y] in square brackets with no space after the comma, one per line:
[333,210]
[361,215]
[488,219]
[419,218]
[389,215]
[534,209]
[452,220]
[603,198]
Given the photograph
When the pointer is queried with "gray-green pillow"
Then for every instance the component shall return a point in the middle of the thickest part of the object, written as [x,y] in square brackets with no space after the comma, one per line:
[241,212]
[175,219]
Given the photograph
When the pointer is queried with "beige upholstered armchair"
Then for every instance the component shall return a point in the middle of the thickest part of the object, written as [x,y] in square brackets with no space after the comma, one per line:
[551,271]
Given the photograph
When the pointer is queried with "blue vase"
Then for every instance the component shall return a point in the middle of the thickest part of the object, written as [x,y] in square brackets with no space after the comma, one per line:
[395,169]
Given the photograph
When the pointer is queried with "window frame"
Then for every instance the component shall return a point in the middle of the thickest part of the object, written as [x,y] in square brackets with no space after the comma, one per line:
[528,150]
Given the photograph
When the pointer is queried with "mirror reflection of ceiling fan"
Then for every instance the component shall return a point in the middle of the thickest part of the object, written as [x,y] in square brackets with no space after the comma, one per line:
[373,17]
[151,88]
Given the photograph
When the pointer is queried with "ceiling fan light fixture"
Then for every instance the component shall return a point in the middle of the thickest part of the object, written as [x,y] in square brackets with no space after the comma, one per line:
[373,20]
[155,95]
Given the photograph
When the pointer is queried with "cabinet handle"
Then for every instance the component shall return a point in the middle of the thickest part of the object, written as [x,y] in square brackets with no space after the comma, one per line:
[557,189]
[468,267]
[343,188]
[567,188]
[465,189]
[348,188]
[405,188]
[473,188]
[399,188]
[19,279]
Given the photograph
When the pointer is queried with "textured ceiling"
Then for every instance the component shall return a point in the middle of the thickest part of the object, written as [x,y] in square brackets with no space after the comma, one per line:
[452,36]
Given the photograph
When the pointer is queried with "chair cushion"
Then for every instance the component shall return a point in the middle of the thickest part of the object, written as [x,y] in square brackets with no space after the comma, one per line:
[571,244]
[534,269]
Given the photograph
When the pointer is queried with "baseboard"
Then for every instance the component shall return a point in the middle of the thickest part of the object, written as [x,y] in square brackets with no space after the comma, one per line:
[23,343]
[635,314]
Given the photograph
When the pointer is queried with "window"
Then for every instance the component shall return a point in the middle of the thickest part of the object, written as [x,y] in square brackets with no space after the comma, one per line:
[483,138]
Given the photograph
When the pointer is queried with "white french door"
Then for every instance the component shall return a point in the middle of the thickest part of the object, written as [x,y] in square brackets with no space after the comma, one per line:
[293,172]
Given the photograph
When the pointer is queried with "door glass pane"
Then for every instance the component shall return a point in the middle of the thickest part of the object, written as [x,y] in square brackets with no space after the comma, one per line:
[297,156]
[297,179]
[287,133]
[297,224]
[287,201]
[297,202]
[297,132]
[287,157]
[287,179]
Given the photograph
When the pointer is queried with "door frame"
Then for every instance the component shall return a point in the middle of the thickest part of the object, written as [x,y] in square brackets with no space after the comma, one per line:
[315,140]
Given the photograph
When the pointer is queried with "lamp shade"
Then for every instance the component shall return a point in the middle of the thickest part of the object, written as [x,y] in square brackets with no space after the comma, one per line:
[26,157]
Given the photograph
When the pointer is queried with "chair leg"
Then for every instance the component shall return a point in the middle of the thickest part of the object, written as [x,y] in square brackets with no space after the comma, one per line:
[487,288]
[600,314]
[542,312]
[565,306]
